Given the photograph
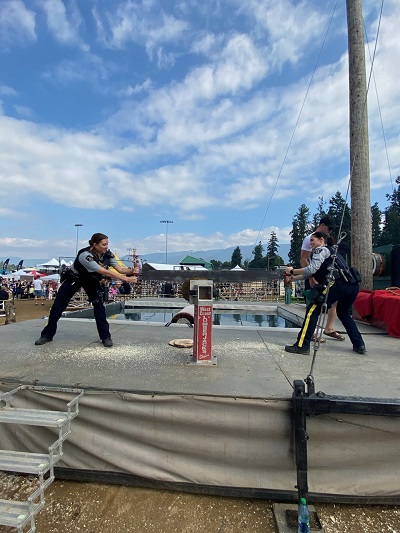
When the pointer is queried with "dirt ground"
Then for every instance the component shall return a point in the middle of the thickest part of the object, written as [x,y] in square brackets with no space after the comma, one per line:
[73,507]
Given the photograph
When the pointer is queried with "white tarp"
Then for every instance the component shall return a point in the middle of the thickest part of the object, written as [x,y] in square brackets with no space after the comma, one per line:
[50,266]
[52,263]
[218,441]
[26,275]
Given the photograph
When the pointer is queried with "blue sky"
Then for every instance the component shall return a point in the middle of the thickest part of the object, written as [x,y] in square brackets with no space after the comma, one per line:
[119,114]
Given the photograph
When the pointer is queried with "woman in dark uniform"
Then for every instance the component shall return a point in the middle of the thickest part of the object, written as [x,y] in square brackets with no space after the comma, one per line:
[343,290]
[90,265]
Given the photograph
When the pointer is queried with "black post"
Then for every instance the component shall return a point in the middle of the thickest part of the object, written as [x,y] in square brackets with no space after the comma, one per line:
[300,438]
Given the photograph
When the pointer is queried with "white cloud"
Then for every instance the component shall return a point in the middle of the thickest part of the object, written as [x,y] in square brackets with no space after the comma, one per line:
[23,111]
[144,23]
[88,68]
[129,91]
[17,23]
[184,106]
[11,243]
[289,26]
[7,91]
[65,167]
[64,26]
[208,44]
[217,240]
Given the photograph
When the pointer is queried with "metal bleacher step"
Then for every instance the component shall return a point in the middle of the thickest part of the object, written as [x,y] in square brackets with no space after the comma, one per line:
[17,514]
[33,417]
[20,515]
[25,463]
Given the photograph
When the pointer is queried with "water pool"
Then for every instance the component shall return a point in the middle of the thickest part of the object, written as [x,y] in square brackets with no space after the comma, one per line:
[226,317]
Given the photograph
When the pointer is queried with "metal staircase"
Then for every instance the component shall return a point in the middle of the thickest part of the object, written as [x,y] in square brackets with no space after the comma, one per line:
[21,515]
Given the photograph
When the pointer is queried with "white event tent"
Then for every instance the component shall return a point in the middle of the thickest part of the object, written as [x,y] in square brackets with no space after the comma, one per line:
[22,274]
[52,265]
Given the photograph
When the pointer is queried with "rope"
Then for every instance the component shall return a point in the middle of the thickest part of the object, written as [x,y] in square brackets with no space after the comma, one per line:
[324,307]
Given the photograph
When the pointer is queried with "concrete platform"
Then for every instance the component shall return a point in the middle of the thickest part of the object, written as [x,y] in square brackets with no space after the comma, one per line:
[251,361]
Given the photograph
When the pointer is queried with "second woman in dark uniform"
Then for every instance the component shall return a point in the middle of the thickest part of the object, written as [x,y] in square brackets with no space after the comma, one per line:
[343,289]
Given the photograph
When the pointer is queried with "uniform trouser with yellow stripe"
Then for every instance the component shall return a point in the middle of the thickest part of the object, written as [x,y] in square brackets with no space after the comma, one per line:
[342,293]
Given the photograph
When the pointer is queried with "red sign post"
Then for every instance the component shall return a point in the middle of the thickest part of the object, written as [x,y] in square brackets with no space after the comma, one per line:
[202,344]
[202,299]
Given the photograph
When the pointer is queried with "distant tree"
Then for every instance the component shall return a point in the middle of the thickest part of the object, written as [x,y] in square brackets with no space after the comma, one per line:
[258,260]
[273,259]
[217,265]
[391,224]
[300,228]
[338,210]
[236,257]
[226,265]
[376,224]
[320,212]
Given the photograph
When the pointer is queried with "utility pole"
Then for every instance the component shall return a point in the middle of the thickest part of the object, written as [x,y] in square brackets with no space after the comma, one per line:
[166,222]
[361,230]
[77,237]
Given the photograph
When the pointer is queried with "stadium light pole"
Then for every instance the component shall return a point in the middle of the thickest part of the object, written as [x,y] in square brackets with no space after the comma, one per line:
[77,236]
[166,222]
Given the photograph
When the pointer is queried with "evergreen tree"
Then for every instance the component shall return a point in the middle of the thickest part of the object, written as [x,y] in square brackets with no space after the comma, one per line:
[336,206]
[236,257]
[391,225]
[273,259]
[301,228]
[376,224]
[217,265]
[258,260]
[320,212]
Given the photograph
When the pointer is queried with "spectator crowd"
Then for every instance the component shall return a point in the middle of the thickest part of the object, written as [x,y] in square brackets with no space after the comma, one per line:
[23,290]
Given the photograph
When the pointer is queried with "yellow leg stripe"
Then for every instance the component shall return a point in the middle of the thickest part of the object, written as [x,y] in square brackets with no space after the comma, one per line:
[306,324]
[307,319]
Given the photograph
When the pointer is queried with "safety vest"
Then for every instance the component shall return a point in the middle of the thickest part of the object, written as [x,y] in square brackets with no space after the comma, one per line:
[341,270]
[104,261]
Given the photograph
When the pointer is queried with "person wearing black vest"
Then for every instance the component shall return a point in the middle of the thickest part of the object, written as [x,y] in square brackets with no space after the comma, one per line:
[343,289]
[90,265]
[4,294]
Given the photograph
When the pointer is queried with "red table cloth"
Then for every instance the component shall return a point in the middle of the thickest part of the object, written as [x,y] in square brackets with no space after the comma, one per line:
[381,307]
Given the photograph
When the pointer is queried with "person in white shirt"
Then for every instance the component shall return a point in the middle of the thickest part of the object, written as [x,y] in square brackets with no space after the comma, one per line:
[38,290]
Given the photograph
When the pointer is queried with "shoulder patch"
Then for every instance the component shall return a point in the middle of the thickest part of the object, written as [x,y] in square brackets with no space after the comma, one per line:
[89,258]
[318,251]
